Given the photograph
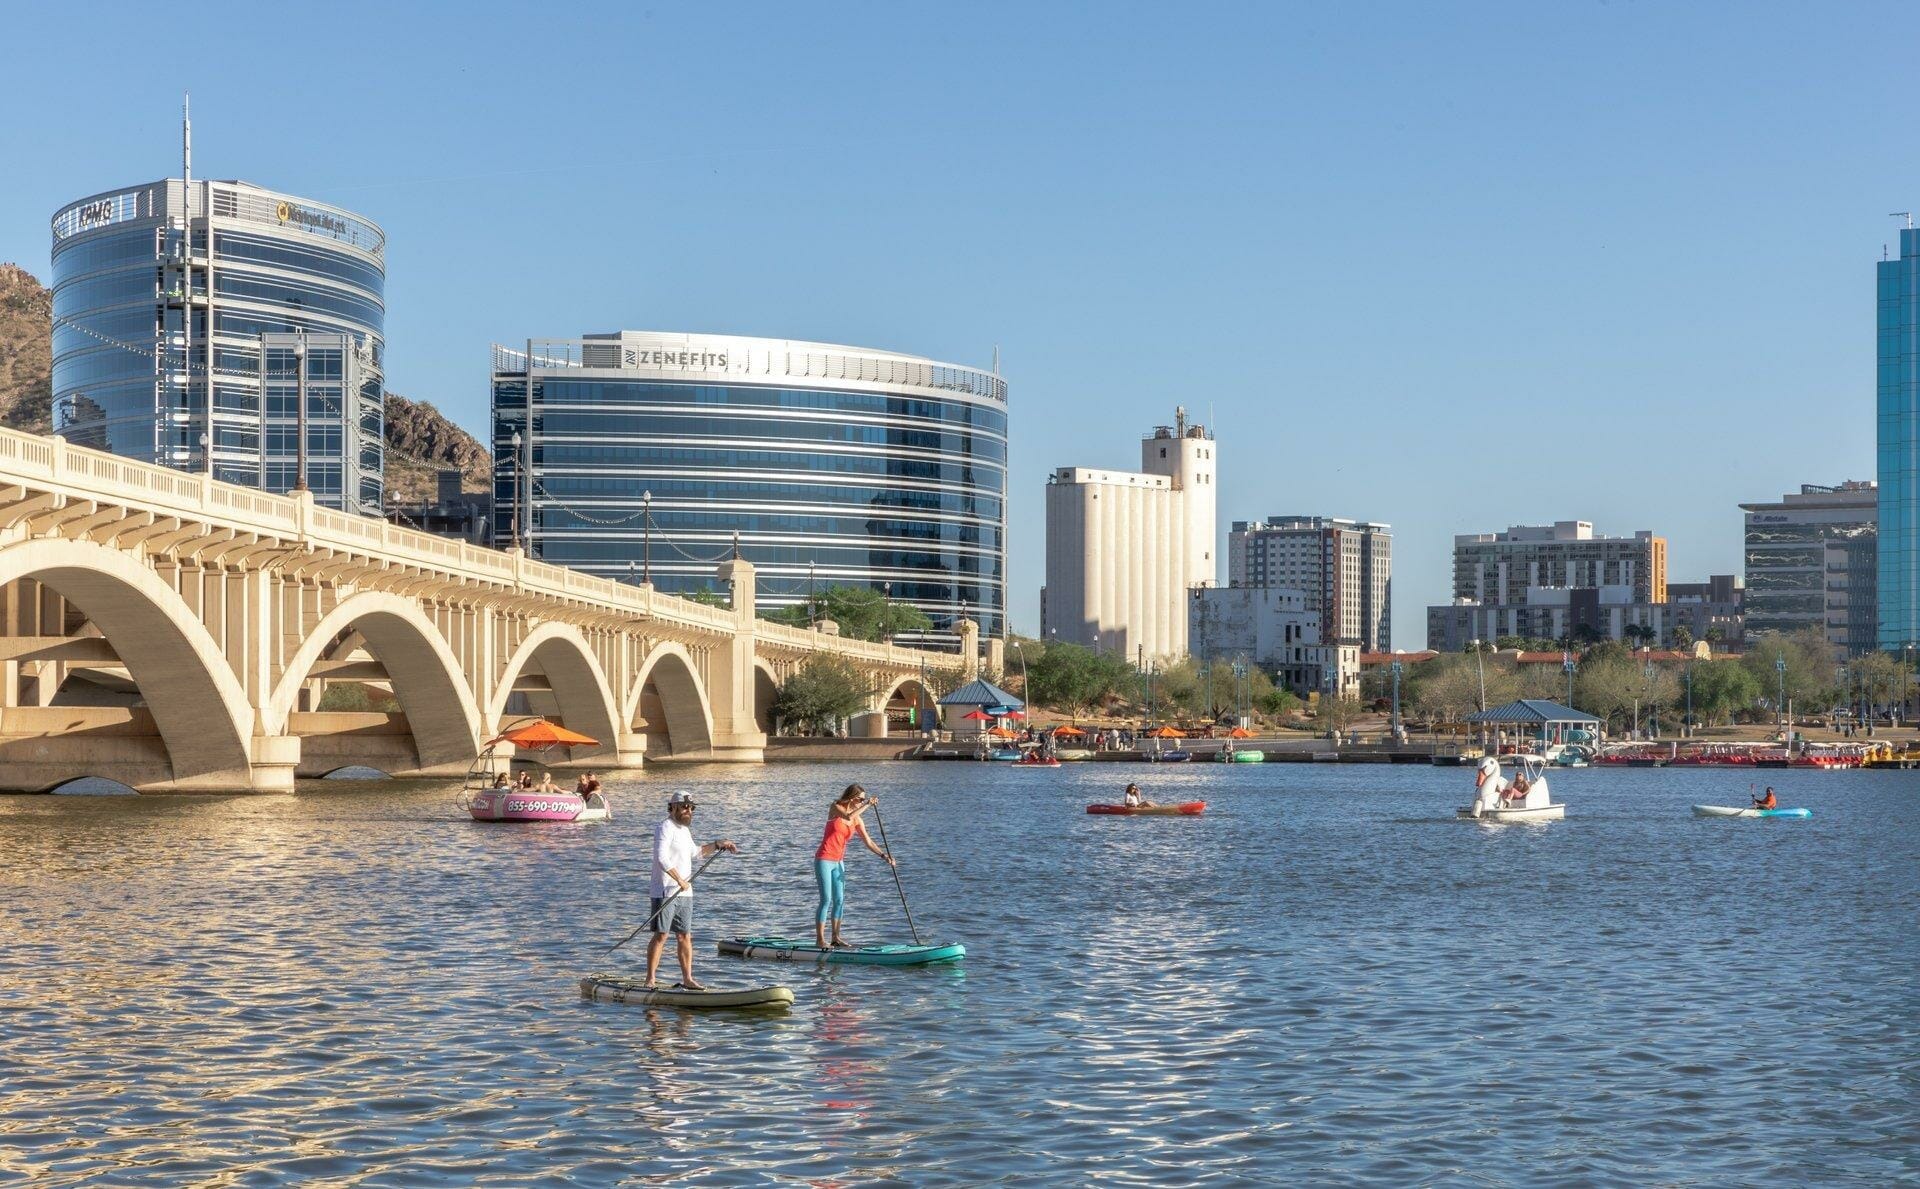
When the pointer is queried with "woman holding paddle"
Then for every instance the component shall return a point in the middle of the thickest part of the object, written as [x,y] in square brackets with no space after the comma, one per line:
[829,862]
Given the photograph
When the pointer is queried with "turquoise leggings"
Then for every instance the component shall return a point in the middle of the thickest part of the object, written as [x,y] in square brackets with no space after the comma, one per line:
[831,875]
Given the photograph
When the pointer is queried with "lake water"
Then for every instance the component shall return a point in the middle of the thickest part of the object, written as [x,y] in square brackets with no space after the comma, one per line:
[1324,979]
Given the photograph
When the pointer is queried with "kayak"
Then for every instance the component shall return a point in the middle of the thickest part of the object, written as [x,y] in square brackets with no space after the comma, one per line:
[612,988]
[788,949]
[1747,811]
[1185,809]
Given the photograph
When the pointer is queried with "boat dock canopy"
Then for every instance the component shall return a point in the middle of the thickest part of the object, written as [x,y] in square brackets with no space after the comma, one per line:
[983,693]
[1533,712]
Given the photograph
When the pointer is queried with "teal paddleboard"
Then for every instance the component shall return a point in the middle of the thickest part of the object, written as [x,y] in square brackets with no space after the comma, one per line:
[788,949]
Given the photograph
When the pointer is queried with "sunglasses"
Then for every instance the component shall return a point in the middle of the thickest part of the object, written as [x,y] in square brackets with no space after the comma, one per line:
[686,805]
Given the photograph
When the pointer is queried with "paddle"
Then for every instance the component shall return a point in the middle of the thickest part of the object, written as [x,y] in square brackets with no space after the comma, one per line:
[897,886]
[655,915]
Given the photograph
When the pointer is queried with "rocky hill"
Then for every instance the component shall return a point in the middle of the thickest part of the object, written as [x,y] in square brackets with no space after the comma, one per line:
[419,440]
[26,351]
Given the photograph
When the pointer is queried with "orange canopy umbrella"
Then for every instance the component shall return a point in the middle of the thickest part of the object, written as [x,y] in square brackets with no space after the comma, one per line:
[544,734]
[1003,732]
[1239,733]
[1068,731]
[1168,733]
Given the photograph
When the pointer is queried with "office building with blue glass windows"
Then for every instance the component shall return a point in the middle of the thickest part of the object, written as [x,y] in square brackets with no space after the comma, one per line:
[1898,436]
[645,456]
[189,318]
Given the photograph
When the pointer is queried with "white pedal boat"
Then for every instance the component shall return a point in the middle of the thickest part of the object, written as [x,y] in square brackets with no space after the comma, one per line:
[1525,798]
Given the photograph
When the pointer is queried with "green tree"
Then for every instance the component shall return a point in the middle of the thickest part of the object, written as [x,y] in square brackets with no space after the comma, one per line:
[862,613]
[1809,670]
[822,691]
[1275,702]
[706,596]
[1072,677]
[1721,690]
[1682,637]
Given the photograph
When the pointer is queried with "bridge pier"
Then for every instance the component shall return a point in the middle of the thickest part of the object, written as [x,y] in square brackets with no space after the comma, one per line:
[737,737]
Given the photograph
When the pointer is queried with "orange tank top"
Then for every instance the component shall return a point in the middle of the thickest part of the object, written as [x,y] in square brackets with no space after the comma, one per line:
[833,846]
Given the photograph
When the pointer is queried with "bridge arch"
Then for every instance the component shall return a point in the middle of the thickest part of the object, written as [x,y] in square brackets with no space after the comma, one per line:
[766,687]
[198,705]
[672,700]
[580,694]
[427,678]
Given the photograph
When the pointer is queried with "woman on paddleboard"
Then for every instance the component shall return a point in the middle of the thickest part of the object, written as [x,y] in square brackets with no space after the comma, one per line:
[829,862]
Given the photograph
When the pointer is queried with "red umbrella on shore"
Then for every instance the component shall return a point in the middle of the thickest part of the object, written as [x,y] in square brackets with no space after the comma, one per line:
[977,716]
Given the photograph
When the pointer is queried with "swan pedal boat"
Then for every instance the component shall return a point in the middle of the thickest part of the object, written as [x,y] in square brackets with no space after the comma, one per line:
[1493,794]
[1747,811]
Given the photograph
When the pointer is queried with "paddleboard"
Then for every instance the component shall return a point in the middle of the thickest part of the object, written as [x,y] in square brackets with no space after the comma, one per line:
[1187,809]
[788,949]
[613,988]
[1747,811]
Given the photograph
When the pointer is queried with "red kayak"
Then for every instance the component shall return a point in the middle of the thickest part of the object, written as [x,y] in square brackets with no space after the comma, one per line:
[1186,809]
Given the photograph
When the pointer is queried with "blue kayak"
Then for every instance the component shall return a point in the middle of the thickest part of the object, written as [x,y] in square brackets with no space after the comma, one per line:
[1747,811]
[788,949]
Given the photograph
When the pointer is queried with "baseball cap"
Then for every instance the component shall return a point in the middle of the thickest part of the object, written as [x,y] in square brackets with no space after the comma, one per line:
[682,797]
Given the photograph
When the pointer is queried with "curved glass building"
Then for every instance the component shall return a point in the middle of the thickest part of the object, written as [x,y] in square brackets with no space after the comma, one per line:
[168,296]
[644,455]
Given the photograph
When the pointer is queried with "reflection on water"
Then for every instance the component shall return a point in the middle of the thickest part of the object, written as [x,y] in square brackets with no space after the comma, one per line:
[1321,979]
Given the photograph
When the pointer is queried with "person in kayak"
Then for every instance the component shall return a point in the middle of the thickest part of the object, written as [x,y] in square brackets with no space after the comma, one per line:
[674,854]
[1769,801]
[829,863]
[1134,799]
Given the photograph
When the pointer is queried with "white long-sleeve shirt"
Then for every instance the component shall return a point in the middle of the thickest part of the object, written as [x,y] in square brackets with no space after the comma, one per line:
[673,850]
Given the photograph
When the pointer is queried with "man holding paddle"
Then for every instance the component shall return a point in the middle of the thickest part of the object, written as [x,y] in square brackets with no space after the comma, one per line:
[674,854]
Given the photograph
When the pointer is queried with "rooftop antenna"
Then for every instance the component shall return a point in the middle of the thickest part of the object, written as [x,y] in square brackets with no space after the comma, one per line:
[186,140]
[996,359]
[1907,215]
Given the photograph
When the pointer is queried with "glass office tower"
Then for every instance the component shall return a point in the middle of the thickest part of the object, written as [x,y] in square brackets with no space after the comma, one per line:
[1899,447]
[159,288]
[645,455]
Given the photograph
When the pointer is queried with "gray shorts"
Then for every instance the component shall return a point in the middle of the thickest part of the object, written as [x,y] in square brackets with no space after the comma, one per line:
[678,917]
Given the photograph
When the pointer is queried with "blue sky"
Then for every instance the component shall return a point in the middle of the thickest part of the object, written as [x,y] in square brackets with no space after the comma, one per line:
[1447,266]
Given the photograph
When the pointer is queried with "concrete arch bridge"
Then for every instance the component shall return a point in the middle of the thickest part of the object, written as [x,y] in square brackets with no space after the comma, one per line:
[179,635]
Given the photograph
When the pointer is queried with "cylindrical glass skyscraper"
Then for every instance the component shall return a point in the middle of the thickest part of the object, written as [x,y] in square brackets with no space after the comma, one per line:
[646,455]
[160,288]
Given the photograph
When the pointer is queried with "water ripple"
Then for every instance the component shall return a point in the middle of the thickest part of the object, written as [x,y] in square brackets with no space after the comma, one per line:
[1320,981]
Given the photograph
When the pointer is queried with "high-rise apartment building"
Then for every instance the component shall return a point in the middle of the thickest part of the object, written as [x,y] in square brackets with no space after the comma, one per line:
[1124,547]
[1811,561]
[1898,438]
[1556,581]
[191,318]
[1344,566]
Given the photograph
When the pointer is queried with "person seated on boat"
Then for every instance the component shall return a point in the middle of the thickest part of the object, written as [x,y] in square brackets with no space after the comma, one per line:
[501,781]
[526,782]
[1768,801]
[593,784]
[1515,792]
[546,783]
[1134,799]
[829,862]
[580,786]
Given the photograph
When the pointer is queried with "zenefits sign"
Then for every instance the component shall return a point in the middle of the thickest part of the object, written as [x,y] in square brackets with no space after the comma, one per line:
[647,357]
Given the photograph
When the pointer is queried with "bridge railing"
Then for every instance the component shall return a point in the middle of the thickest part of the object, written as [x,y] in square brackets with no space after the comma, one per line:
[91,474]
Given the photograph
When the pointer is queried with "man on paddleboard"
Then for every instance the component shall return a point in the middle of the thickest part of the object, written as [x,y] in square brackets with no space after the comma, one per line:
[674,854]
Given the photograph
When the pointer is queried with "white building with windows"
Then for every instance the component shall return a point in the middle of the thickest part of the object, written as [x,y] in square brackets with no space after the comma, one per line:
[1124,547]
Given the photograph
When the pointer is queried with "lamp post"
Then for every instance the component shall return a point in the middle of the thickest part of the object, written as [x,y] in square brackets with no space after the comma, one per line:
[1480,668]
[646,548]
[886,612]
[300,411]
[1396,699]
[1846,688]
[1689,722]
[810,603]
[513,527]
[1780,701]
[1566,662]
